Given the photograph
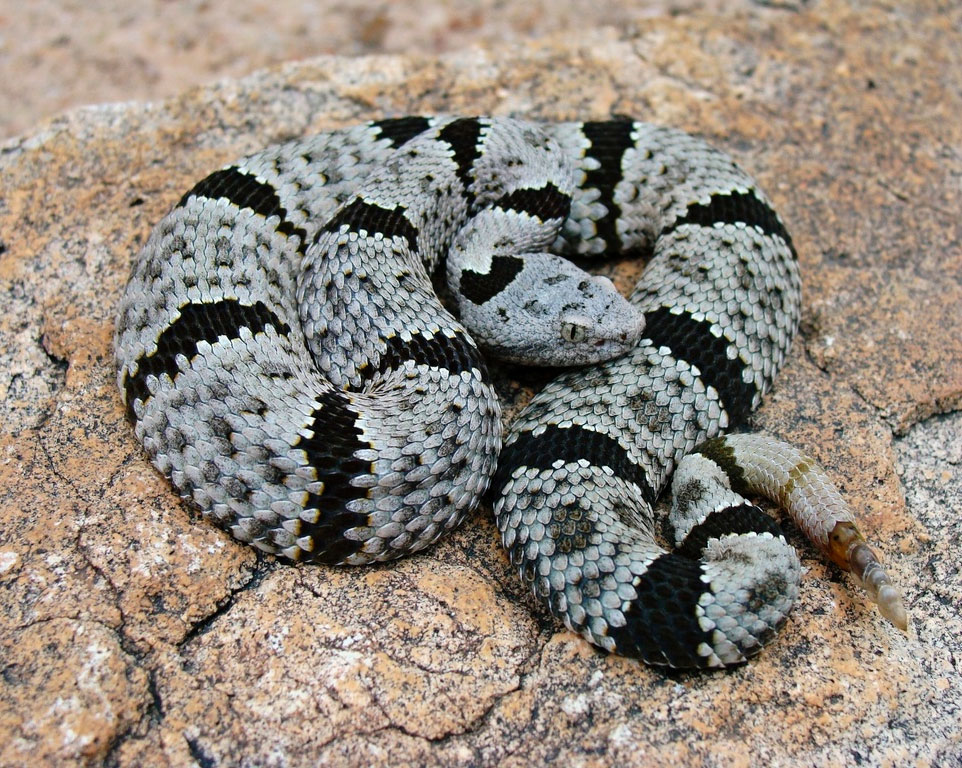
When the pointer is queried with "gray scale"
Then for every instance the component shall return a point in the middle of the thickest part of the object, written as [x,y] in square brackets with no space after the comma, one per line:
[290,311]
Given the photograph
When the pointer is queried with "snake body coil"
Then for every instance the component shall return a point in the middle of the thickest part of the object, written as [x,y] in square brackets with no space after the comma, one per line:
[288,365]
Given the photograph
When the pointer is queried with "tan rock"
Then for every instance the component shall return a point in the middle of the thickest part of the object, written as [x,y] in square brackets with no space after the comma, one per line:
[56,55]
[133,634]
[69,693]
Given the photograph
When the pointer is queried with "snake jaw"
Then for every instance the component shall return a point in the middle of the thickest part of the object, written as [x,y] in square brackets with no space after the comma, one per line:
[849,550]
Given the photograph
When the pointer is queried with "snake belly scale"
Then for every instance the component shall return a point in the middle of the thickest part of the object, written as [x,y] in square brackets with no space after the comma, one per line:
[287,364]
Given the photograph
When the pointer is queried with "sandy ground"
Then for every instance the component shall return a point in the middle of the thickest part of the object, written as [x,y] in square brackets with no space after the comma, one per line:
[57,54]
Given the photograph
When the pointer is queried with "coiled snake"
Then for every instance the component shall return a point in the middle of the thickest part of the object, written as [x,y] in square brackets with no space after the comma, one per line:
[287,364]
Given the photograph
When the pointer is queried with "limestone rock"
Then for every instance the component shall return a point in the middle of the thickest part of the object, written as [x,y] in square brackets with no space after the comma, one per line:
[134,634]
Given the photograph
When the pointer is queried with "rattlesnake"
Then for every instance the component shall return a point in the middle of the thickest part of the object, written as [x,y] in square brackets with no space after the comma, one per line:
[287,364]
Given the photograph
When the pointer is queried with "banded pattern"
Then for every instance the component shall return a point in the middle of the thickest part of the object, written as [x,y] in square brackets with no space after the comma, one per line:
[721,300]
[287,364]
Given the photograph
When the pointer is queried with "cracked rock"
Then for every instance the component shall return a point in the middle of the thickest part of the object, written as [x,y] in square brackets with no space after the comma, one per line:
[133,633]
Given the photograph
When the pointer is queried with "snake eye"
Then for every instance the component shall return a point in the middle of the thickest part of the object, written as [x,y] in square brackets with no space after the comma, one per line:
[573,331]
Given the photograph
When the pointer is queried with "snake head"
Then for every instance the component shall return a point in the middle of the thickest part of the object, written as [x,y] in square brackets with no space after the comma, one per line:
[553,313]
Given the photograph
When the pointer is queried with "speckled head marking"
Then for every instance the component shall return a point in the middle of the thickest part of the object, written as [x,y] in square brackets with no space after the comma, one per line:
[288,366]
[540,309]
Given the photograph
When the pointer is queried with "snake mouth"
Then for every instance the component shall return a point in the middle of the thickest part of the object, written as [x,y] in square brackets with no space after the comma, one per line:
[625,339]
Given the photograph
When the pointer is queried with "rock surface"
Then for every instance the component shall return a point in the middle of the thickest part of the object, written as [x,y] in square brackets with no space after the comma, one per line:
[132,634]
[55,54]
